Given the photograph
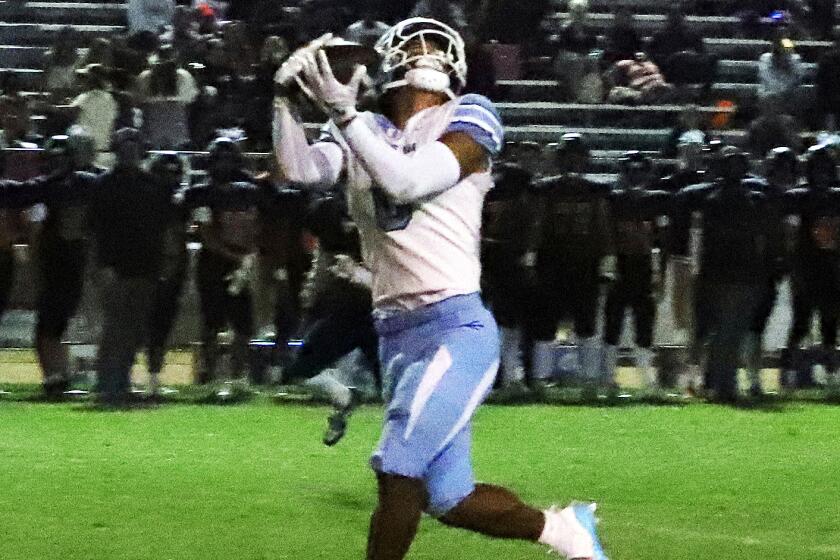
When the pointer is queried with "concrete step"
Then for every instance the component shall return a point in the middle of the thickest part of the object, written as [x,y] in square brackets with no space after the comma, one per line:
[519,113]
[547,90]
[647,24]
[35,34]
[65,13]
[608,138]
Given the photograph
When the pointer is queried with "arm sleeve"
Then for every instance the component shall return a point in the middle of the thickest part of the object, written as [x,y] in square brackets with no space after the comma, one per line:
[316,166]
[433,168]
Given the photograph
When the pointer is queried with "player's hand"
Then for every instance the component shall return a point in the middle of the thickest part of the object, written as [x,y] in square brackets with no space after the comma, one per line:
[319,83]
[293,66]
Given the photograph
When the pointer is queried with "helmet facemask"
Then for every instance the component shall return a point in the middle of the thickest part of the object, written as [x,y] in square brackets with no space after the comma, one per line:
[425,54]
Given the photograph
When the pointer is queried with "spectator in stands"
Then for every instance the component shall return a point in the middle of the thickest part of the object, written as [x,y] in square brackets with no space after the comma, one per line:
[680,53]
[511,22]
[184,36]
[637,80]
[576,35]
[368,29]
[828,86]
[150,15]
[780,73]
[95,108]
[622,39]
[690,128]
[99,52]
[128,217]
[15,122]
[449,12]
[773,128]
[164,93]
[576,41]
[59,65]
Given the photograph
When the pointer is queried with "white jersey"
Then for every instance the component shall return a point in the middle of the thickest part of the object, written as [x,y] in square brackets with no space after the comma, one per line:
[426,251]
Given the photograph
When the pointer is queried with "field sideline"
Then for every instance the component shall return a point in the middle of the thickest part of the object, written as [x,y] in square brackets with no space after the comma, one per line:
[253,481]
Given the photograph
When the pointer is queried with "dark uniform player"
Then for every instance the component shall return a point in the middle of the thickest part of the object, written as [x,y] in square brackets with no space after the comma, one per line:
[227,257]
[634,211]
[781,166]
[572,241]
[283,258]
[337,306]
[61,252]
[738,231]
[8,234]
[506,236]
[815,275]
[167,169]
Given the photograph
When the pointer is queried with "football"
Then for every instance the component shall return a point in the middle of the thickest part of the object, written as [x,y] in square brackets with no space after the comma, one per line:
[345,55]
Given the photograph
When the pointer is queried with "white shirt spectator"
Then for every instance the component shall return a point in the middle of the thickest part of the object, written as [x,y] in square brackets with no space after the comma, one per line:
[97,113]
[150,15]
[779,79]
[365,32]
[186,88]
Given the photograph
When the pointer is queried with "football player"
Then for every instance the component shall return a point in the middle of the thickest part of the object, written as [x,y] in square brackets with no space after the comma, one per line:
[634,211]
[815,283]
[781,165]
[416,177]
[572,241]
[227,257]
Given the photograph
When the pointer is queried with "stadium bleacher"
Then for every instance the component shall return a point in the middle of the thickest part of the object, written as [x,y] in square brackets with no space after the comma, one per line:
[529,105]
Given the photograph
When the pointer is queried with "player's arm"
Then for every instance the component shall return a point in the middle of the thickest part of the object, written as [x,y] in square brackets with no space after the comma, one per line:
[318,165]
[466,147]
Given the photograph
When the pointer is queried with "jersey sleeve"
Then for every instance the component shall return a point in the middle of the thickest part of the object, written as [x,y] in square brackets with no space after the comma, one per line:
[475,115]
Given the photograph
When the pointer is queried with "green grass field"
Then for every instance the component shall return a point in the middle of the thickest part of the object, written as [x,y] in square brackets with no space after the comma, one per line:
[253,481]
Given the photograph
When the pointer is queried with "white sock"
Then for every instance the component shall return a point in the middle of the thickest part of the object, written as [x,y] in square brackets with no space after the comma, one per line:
[610,362]
[590,358]
[564,534]
[543,360]
[644,365]
[512,368]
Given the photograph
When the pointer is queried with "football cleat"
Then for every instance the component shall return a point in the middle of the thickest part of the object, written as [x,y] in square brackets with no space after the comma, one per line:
[585,514]
[337,421]
[571,532]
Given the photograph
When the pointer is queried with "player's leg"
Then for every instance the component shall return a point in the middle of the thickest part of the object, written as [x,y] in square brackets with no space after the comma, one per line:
[7,274]
[456,500]
[753,344]
[644,316]
[240,314]
[62,269]
[211,295]
[796,371]
[393,525]
[614,309]
[546,308]
[584,305]
[829,312]
[165,307]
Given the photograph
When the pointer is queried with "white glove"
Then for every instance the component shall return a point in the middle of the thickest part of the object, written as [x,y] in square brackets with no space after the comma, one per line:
[290,69]
[347,268]
[339,100]
[242,277]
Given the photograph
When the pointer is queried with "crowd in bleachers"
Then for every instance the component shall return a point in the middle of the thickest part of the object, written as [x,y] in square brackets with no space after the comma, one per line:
[199,78]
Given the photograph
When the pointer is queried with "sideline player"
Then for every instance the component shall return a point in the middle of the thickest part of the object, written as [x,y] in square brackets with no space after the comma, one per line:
[416,179]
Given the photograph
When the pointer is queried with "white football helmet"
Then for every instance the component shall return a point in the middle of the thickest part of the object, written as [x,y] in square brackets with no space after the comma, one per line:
[423,53]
